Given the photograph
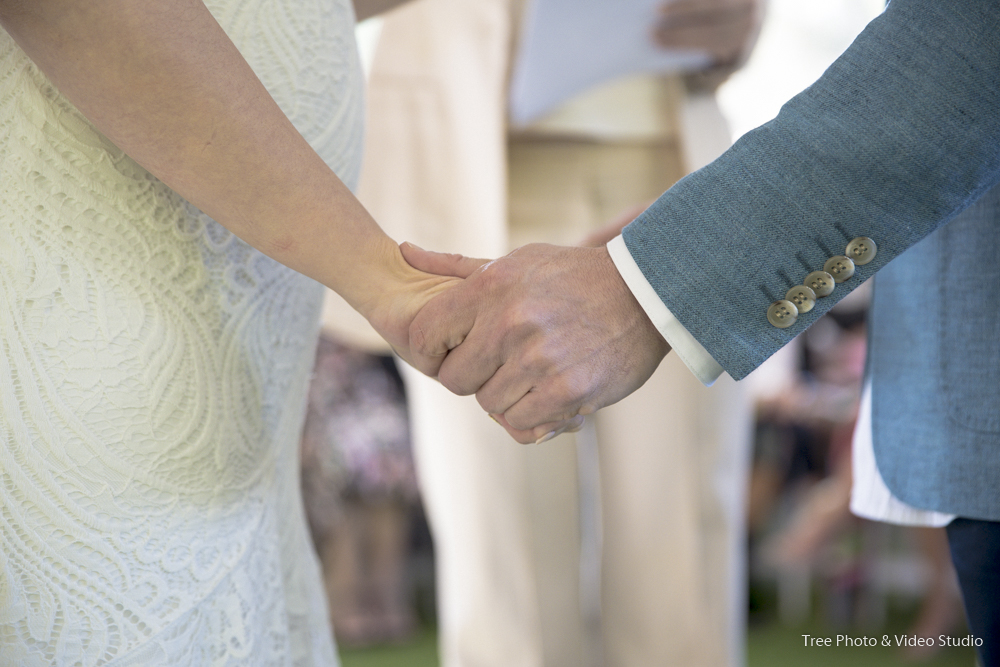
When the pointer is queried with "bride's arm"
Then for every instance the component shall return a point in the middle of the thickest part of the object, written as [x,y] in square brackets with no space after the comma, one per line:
[163,82]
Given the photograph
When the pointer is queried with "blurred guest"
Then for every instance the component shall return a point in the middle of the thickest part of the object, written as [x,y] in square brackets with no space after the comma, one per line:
[359,489]
[822,409]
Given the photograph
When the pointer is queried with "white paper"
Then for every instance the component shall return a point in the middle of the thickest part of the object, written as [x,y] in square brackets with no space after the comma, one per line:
[569,46]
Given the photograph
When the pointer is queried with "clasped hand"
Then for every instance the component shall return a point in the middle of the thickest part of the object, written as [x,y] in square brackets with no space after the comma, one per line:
[542,336]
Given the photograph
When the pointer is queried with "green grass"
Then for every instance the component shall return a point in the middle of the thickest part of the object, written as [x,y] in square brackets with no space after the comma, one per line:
[769,645]
[774,645]
[421,651]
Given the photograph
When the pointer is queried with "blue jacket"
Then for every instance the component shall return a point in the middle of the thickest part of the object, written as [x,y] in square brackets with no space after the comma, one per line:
[896,139]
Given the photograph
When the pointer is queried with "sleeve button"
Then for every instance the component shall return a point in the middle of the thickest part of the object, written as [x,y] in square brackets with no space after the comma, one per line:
[840,267]
[820,282]
[782,314]
[803,298]
[862,250]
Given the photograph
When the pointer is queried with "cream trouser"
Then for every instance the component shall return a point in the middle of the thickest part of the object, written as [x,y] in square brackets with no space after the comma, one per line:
[672,463]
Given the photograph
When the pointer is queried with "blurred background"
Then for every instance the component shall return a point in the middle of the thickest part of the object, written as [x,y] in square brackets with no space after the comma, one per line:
[812,567]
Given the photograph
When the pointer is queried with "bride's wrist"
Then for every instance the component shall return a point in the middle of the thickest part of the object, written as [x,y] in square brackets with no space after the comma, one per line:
[385,289]
[390,289]
[378,280]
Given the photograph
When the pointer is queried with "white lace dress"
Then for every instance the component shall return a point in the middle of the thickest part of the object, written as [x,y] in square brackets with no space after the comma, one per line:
[153,370]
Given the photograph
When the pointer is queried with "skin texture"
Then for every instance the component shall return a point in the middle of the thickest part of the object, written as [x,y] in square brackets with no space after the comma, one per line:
[547,334]
[164,83]
[541,336]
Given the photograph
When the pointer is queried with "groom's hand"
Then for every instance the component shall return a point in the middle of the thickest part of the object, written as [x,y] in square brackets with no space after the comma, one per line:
[541,336]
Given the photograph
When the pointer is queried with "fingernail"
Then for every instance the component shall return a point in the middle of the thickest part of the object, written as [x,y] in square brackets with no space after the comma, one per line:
[412,245]
[557,432]
[492,417]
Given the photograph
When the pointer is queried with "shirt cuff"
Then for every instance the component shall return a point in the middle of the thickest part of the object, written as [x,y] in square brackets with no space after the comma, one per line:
[691,352]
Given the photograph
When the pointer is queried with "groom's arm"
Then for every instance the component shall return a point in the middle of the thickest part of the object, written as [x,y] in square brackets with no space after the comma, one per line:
[896,138]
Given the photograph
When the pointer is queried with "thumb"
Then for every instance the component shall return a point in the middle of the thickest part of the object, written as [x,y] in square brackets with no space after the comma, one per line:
[439,263]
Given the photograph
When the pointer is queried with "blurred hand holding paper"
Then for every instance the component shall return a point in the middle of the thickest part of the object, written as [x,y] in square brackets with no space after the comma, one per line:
[569,46]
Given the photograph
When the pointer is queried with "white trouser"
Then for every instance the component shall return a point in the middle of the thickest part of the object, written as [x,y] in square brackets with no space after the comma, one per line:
[672,459]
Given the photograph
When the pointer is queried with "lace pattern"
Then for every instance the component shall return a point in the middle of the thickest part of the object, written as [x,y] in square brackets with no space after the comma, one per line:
[153,373]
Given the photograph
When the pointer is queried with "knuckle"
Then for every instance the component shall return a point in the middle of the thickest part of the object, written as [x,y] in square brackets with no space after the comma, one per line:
[535,419]
[526,314]
[493,275]
[566,390]
[536,362]
[418,339]
[489,401]
[427,366]
[453,380]
[520,423]
[425,342]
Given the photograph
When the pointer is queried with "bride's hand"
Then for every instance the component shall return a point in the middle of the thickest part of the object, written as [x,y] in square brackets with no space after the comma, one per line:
[392,309]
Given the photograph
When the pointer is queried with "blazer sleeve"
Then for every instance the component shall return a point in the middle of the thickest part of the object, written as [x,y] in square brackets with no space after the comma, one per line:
[897,137]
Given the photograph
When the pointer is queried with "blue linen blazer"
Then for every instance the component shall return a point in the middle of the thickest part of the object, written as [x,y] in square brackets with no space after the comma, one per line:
[900,137]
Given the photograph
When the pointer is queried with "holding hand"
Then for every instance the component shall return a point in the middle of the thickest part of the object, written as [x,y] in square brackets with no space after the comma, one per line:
[541,336]
[392,305]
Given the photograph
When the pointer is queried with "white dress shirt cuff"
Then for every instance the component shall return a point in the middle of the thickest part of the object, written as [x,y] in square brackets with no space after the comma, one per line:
[684,345]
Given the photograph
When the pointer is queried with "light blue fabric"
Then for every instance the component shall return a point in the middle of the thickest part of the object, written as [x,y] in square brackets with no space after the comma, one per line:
[898,137]
[935,366]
